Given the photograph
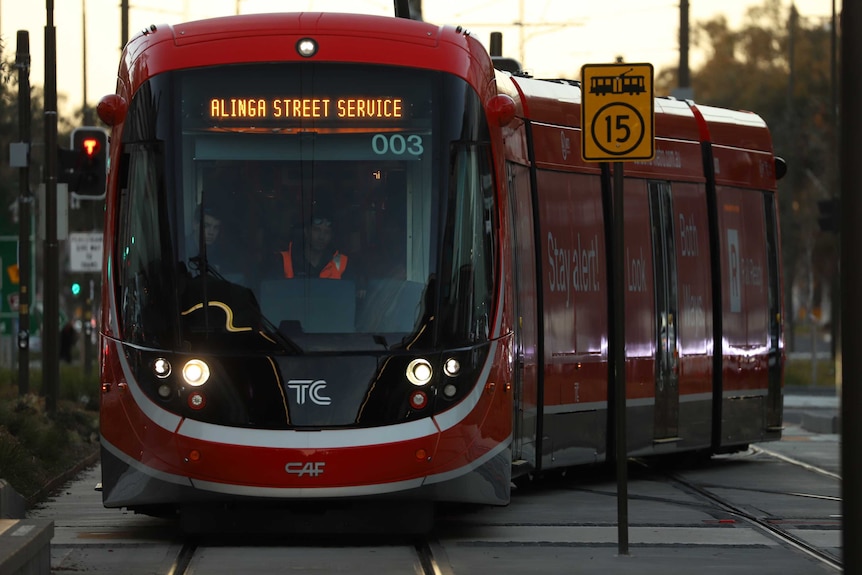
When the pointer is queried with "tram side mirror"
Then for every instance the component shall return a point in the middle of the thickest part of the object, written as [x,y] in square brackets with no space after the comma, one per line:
[112,109]
[501,109]
[780,168]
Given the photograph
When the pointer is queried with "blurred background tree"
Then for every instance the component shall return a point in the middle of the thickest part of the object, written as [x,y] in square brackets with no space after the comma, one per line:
[9,177]
[779,65]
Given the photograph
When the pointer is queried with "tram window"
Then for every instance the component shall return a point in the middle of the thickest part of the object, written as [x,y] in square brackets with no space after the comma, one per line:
[142,275]
[469,280]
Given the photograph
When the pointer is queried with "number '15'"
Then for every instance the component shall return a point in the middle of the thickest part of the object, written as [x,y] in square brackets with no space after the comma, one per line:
[621,126]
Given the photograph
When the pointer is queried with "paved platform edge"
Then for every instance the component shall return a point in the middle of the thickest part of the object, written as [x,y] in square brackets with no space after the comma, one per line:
[25,546]
[821,423]
[12,505]
[816,421]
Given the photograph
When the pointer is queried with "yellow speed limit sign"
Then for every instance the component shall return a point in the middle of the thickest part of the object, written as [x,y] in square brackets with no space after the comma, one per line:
[617,112]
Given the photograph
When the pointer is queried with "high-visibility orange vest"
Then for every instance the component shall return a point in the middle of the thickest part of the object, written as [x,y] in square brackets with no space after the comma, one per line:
[332,270]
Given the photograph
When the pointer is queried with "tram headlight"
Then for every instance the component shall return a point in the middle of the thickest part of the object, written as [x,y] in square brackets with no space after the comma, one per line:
[306,47]
[161,367]
[452,367]
[419,371]
[196,372]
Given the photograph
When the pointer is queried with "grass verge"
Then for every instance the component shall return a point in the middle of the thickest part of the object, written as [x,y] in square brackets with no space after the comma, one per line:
[37,448]
[800,372]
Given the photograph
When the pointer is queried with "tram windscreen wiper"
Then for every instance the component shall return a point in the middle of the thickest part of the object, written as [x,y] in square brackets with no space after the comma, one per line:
[209,287]
[286,342]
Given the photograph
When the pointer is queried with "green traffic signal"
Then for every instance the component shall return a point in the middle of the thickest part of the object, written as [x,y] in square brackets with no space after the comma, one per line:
[76,288]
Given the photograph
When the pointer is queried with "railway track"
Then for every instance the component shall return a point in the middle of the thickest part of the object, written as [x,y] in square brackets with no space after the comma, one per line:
[727,514]
[772,528]
[422,557]
[786,531]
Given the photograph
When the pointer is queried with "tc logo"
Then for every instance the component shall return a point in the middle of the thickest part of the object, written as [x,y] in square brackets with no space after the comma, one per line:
[312,468]
[309,389]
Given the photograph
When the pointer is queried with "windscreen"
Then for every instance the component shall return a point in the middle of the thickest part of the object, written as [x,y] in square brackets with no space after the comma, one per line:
[307,201]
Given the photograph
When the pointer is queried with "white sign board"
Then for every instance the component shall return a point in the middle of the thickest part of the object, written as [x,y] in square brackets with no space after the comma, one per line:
[85,251]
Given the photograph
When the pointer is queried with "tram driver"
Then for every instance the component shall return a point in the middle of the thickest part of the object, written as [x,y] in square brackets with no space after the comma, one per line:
[316,256]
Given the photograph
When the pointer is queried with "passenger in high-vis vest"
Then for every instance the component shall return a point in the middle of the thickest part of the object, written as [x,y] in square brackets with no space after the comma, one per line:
[316,258]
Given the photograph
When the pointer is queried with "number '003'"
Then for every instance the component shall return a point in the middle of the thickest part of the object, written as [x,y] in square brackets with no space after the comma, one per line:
[397,145]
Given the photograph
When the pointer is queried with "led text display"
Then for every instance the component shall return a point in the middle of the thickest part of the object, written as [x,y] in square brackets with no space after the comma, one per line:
[306,108]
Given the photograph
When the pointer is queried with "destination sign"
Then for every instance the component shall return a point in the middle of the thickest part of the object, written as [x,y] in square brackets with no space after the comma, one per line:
[307,108]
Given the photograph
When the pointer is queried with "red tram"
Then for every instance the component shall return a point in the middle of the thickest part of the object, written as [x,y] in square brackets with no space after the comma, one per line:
[465,340]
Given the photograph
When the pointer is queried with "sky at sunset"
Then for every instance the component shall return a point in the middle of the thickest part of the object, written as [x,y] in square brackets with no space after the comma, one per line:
[555,39]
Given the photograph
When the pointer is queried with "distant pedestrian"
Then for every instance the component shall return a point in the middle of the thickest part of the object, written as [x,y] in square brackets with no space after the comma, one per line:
[67,342]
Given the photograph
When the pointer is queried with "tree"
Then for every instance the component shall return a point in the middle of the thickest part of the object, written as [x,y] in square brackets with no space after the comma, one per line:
[9,177]
[777,64]
[9,132]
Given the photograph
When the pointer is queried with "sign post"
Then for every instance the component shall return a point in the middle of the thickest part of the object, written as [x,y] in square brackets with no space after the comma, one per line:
[617,125]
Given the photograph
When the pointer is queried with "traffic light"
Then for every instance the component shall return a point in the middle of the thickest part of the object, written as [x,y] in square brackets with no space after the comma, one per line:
[76,288]
[84,166]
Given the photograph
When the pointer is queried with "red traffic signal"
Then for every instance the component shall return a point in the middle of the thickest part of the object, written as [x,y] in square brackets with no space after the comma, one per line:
[84,167]
[91,146]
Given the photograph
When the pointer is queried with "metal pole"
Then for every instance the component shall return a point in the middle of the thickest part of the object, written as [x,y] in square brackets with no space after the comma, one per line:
[836,192]
[84,112]
[88,329]
[521,40]
[619,354]
[22,63]
[51,320]
[124,24]
[684,72]
[851,284]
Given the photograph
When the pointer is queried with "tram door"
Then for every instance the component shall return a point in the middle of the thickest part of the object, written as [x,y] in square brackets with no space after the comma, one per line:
[774,403]
[526,330]
[666,415]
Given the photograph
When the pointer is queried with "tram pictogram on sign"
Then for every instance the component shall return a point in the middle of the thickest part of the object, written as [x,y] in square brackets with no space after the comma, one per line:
[617,112]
